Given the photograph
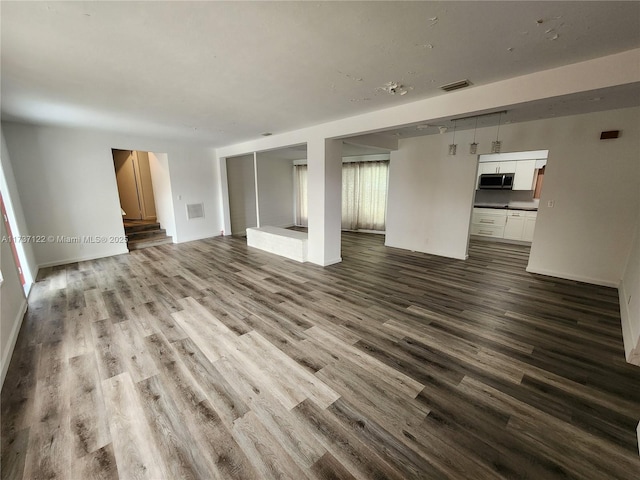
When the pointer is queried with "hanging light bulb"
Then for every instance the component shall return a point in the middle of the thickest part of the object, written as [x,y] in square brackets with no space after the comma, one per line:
[497,145]
[453,147]
[473,148]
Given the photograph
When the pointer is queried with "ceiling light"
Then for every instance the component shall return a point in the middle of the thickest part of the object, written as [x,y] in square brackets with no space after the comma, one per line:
[452,146]
[473,148]
[497,145]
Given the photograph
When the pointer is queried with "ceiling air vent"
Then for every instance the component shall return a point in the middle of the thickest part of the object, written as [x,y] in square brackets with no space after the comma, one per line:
[450,87]
[195,210]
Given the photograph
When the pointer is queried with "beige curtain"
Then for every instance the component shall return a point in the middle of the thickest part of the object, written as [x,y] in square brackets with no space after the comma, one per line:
[301,194]
[350,195]
[364,195]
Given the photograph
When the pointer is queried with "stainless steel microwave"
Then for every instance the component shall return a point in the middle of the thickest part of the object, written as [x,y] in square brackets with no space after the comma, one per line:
[496,181]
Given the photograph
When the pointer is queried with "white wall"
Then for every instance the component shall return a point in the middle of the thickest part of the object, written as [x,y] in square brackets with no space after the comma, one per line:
[12,304]
[161,182]
[242,193]
[594,185]
[430,197]
[67,187]
[275,191]
[13,205]
[630,300]
[194,180]
[586,236]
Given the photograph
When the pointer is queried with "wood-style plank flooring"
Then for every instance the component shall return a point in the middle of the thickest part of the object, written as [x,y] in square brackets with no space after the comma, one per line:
[209,360]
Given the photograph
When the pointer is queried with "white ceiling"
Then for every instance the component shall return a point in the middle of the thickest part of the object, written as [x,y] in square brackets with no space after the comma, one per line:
[224,72]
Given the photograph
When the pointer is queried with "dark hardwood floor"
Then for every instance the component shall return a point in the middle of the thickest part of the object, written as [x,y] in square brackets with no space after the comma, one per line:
[211,360]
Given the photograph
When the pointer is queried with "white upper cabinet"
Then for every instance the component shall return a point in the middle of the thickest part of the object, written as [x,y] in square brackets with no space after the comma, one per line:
[525,172]
[522,164]
[496,167]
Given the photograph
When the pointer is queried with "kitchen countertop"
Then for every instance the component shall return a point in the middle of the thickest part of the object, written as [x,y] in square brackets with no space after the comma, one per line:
[528,208]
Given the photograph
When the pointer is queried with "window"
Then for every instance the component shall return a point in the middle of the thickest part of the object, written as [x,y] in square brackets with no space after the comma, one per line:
[301,194]
[364,195]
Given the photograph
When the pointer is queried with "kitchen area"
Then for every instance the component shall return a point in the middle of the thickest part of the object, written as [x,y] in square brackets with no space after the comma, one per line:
[507,195]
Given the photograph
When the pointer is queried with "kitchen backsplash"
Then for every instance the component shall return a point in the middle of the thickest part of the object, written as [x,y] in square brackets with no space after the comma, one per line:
[505,197]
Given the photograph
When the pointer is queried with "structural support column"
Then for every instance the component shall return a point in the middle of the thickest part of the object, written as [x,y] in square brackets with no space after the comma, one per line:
[324,192]
[255,182]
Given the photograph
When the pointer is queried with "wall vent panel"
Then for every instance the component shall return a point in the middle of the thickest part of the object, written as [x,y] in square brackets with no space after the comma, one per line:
[195,210]
[455,85]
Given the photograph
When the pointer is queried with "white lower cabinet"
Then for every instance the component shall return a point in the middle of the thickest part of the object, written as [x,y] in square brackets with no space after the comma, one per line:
[488,222]
[529,226]
[499,223]
[487,230]
[514,227]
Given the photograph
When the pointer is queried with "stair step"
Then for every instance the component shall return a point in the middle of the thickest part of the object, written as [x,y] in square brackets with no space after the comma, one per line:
[149,242]
[146,234]
[132,228]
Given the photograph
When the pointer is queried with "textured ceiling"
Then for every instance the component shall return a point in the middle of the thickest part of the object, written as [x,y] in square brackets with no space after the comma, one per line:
[224,72]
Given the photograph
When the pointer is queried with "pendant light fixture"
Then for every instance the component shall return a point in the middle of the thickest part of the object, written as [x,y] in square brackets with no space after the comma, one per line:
[453,147]
[497,145]
[473,148]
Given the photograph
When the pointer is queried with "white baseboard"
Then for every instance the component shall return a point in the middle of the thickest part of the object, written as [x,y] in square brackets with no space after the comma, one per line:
[438,253]
[83,259]
[13,337]
[577,278]
[327,263]
[196,237]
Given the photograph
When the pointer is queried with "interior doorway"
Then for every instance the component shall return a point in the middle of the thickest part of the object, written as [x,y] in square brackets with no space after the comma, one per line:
[507,195]
[135,187]
[137,200]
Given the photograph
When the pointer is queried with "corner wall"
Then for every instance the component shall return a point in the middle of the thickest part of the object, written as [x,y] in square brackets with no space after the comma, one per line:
[67,186]
[430,197]
[593,184]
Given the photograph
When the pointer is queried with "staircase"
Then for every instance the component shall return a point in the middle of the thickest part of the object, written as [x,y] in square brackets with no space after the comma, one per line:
[143,233]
